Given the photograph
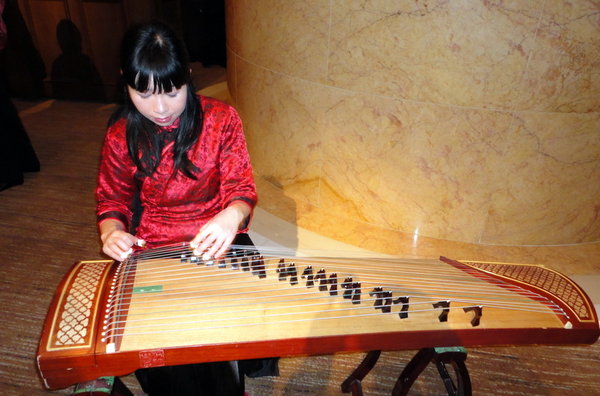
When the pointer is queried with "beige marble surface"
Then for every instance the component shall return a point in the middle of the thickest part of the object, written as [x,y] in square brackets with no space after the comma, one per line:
[470,121]
[304,222]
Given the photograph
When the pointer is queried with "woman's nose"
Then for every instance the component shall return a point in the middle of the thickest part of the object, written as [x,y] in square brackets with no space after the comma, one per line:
[160,105]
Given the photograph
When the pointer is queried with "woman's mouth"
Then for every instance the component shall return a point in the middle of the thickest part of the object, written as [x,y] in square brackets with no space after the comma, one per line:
[163,120]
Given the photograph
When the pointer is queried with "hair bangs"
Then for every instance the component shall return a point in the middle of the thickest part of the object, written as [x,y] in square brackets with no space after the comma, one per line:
[157,64]
[157,77]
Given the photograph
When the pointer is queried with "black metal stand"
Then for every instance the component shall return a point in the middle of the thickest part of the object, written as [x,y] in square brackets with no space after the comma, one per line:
[454,357]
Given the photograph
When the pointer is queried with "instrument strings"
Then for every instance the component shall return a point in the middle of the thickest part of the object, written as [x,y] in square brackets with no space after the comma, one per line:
[425,282]
[424,274]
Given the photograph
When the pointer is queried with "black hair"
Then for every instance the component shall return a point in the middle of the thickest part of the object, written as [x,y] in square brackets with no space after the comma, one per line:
[151,53]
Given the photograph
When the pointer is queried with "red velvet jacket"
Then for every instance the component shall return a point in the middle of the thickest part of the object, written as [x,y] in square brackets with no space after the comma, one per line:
[175,206]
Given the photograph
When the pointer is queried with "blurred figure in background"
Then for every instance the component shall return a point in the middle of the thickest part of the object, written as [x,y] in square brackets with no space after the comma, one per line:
[16,152]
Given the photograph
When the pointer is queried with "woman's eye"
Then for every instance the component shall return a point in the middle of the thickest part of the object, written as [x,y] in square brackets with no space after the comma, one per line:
[173,93]
[144,95]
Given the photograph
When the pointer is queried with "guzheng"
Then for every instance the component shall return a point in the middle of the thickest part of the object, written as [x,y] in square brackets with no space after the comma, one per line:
[166,306]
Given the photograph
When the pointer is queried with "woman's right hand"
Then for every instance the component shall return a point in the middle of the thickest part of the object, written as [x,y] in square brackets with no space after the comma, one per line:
[116,242]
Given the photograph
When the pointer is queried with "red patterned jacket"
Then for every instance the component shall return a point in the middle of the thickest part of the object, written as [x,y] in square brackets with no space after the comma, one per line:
[174,207]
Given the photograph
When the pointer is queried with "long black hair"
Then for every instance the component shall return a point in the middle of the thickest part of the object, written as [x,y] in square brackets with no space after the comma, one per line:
[153,57]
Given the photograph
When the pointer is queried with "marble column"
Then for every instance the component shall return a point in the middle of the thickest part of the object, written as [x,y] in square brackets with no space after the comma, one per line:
[468,121]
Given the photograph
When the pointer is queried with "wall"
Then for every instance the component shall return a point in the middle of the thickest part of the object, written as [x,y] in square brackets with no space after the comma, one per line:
[472,121]
[73,45]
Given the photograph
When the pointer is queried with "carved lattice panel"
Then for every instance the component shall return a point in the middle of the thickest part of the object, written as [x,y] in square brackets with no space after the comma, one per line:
[542,278]
[74,316]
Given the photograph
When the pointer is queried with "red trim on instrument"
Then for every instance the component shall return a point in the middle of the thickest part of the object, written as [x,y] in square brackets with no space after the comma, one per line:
[124,363]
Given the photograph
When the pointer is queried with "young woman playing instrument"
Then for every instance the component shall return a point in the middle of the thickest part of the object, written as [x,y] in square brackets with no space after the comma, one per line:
[174,167]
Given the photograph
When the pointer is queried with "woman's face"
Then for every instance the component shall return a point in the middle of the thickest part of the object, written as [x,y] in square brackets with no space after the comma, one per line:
[160,108]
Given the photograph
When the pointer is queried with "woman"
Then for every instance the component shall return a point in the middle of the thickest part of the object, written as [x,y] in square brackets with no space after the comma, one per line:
[183,158]
[185,155]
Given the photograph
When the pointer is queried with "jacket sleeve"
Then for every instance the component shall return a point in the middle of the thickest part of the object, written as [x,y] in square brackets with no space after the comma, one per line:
[237,181]
[116,187]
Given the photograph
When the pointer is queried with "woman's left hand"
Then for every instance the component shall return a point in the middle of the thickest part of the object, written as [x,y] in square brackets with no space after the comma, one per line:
[215,237]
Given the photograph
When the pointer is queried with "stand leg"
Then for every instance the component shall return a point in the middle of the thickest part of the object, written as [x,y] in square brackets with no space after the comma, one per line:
[411,372]
[441,357]
[103,386]
[456,358]
[352,384]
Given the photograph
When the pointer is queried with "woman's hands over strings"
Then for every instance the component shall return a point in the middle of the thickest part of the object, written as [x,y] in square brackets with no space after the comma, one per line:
[116,242]
[212,241]
[215,237]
